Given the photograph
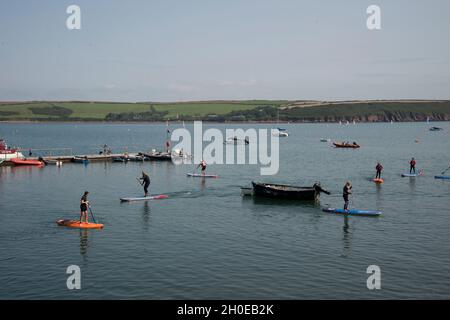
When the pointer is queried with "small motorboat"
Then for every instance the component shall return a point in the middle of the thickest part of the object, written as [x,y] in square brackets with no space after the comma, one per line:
[281,134]
[353,145]
[282,191]
[53,162]
[26,162]
[236,140]
[137,158]
[436,129]
[83,160]
[157,156]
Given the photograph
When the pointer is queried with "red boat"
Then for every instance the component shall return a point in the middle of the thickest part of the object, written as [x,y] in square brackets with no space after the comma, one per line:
[7,153]
[25,162]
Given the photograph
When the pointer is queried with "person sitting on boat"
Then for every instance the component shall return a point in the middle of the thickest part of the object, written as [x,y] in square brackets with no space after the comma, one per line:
[412,166]
[145,182]
[203,165]
[347,191]
[379,168]
[84,204]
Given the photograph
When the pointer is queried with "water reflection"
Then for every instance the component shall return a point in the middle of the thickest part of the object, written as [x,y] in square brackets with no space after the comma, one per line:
[84,243]
[346,238]
[146,214]
[412,184]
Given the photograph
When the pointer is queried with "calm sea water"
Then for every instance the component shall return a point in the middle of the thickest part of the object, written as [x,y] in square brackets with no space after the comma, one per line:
[208,242]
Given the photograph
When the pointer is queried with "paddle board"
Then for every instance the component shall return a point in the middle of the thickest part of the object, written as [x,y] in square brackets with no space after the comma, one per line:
[378,180]
[199,175]
[353,212]
[442,177]
[77,224]
[411,174]
[156,197]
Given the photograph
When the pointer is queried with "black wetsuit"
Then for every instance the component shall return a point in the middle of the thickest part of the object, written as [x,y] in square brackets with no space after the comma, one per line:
[345,194]
[412,167]
[83,205]
[379,168]
[146,182]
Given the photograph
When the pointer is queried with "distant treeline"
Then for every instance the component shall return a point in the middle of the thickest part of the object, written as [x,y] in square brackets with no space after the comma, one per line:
[151,115]
[332,112]
[231,111]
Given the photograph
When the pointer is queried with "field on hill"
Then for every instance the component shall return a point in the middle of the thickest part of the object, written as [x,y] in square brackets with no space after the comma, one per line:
[99,110]
[224,111]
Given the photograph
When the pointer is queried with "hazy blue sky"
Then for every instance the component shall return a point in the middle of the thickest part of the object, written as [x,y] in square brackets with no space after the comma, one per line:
[228,49]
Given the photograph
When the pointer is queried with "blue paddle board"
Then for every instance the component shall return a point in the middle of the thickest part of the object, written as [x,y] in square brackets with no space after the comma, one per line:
[411,174]
[442,177]
[353,212]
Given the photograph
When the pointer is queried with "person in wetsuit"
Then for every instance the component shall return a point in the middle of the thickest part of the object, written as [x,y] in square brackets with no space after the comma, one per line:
[202,164]
[84,204]
[379,168]
[412,166]
[347,191]
[145,182]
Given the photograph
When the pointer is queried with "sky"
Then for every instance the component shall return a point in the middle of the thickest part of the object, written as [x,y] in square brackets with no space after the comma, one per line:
[179,50]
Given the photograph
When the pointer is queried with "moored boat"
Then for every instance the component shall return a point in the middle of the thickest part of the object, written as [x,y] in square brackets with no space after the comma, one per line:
[83,160]
[287,192]
[7,153]
[236,140]
[26,162]
[353,145]
[158,156]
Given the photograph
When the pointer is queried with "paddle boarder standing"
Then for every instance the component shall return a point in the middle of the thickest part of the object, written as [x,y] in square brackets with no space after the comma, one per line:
[145,182]
[84,204]
[202,164]
[379,168]
[412,166]
[346,192]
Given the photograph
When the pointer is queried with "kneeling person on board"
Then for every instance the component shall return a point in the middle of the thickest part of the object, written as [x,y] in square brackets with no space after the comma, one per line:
[84,204]
[203,165]
[145,182]
[379,168]
[412,166]
[346,192]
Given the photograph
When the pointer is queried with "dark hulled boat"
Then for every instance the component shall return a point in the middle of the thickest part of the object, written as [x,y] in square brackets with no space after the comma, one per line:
[158,156]
[282,191]
[353,145]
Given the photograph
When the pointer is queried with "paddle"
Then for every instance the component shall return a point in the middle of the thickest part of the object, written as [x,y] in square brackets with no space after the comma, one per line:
[445,170]
[92,214]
